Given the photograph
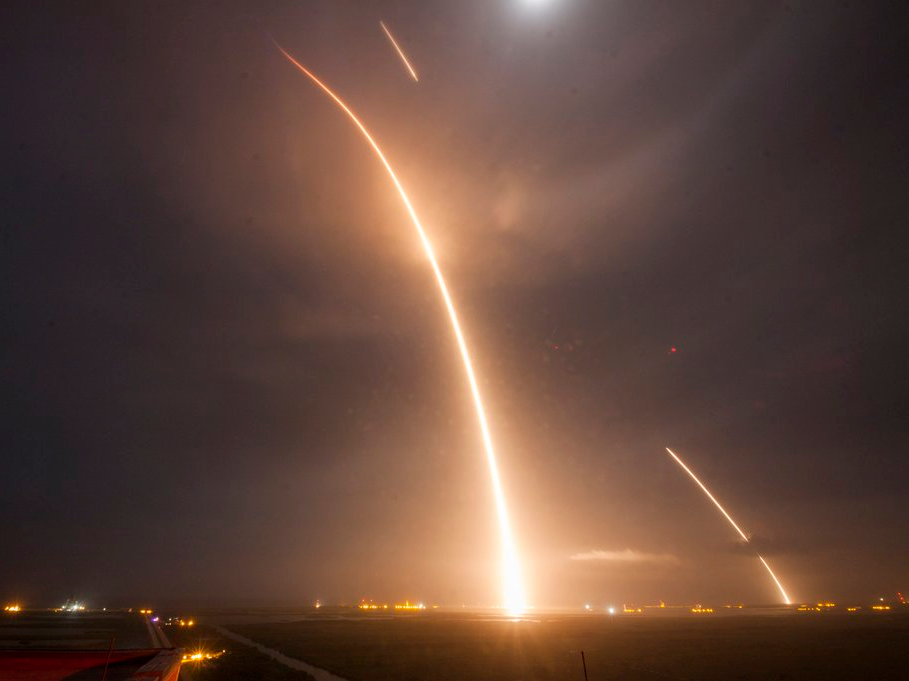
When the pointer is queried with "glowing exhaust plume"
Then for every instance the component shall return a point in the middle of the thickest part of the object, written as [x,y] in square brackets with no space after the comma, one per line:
[399,50]
[731,522]
[513,583]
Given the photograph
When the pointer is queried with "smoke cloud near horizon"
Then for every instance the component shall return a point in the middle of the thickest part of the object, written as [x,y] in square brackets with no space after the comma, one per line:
[627,556]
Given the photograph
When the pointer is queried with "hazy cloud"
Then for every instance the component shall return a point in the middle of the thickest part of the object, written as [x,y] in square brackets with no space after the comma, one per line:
[626,556]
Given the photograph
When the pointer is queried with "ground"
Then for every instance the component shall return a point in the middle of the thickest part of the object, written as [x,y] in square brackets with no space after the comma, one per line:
[239,662]
[434,646]
[93,630]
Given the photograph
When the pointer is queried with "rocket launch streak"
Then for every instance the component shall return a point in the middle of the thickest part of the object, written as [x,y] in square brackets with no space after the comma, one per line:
[731,521]
[514,599]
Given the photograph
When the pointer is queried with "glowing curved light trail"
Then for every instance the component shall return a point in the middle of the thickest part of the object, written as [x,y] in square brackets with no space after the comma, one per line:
[514,599]
[731,521]
[399,50]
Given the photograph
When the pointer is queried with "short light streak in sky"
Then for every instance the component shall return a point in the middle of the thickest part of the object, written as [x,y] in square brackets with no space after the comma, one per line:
[731,521]
[399,50]
[513,587]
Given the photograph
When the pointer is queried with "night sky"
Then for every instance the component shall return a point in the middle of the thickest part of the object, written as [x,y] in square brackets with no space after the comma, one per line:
[227,375]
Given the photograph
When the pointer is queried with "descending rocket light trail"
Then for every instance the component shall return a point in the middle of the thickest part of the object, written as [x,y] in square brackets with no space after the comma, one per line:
[514,598]
[399,50]
[731,521]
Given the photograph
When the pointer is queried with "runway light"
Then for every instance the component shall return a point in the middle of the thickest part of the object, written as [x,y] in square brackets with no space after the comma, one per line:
[407,605]
[364,605]
[201,656]
[12,608]
[611,610]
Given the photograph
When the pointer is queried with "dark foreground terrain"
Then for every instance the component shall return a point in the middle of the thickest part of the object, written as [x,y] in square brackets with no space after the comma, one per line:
[237,663]
[50,630]
[94,631]
[439,646]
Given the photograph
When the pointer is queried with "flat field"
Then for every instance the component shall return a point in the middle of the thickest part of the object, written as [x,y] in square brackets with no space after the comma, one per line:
[237,663]
[93,630]
[440,646]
